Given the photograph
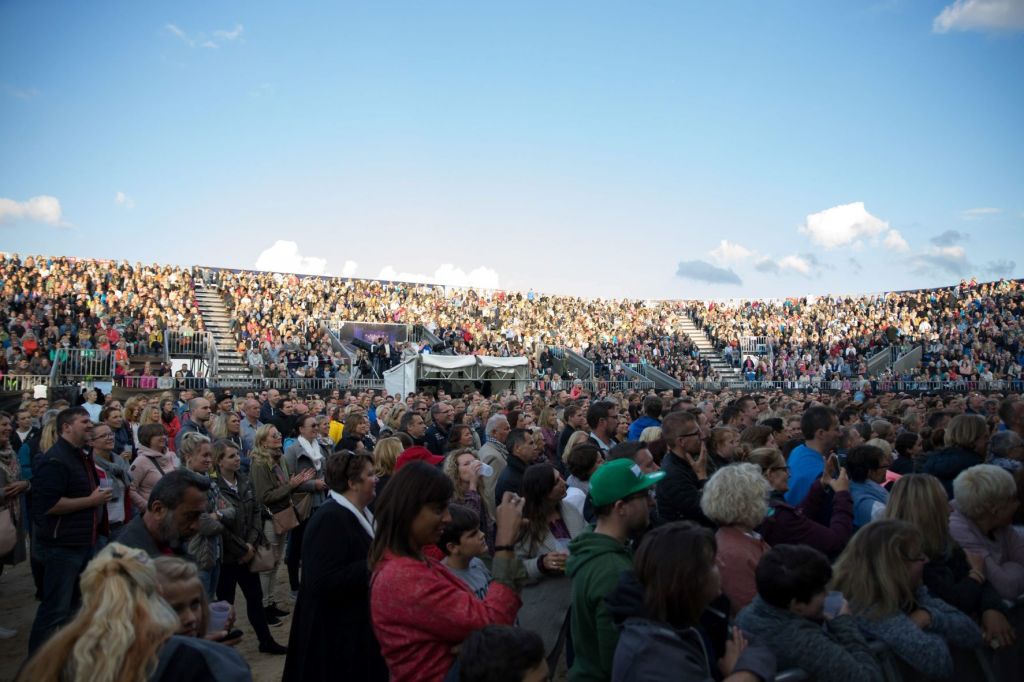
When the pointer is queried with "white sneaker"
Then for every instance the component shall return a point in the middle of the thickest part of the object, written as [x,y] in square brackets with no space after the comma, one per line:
[6,633]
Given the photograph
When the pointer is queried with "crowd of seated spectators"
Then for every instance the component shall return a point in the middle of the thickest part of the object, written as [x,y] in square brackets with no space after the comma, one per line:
[52,305]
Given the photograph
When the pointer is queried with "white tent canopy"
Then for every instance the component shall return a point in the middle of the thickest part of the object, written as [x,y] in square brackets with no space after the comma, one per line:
[402,379]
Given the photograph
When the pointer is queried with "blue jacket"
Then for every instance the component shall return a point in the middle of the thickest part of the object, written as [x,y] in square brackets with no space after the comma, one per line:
[805,466]
[637,427]
[864,497]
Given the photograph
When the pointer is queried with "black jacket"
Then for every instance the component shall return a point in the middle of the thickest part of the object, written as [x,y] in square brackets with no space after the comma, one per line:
[511,478]
[436,440]
[17,442]
[66,471]
[679,493]
[331,628]
[947,464]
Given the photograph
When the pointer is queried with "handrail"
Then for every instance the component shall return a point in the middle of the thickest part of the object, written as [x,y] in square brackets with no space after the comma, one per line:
[25,382]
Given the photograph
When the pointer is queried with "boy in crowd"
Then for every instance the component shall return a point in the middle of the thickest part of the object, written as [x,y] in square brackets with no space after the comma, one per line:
[463,543]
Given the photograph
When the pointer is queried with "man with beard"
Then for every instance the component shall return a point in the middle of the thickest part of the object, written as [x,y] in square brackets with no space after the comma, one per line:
[172,515]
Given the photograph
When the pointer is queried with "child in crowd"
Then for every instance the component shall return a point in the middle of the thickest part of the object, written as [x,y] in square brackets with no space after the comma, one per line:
[502,653]
[463,543]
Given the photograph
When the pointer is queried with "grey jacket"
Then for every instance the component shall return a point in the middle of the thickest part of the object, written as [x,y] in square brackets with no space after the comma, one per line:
[834,650]
[496,455]
[295,462]
[926,651]
[649,651]
[546,598]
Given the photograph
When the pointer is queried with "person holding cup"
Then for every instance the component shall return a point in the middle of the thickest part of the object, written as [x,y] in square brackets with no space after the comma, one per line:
[549,524]
[113,476]
[467,474]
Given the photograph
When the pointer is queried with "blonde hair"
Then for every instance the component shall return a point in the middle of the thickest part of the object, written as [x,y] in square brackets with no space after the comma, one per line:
[395,416]
[964,430]
[575,439]
[765,458]
[48,436]
[385,454]
[920,499]
[736,495]
[260,453]
[119,630]
[451,468]
[983,488]
[150,415]
[882,444]
[872,572]
[171,570]
[650,434]
[191,443]
[132,408]
[219,427]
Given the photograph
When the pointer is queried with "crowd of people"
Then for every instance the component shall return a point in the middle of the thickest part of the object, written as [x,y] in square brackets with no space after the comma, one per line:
[704,534]
[969,332]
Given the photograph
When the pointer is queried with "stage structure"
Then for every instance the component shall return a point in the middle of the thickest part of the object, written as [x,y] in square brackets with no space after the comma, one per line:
[459,370]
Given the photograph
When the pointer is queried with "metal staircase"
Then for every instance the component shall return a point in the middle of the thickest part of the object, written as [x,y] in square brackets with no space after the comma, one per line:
[730,376]
[229,363]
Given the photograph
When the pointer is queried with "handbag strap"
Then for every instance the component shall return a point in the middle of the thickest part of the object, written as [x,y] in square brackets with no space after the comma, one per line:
[159,468]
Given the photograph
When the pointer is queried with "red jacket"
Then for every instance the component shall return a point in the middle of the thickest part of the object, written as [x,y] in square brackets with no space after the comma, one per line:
[420,611]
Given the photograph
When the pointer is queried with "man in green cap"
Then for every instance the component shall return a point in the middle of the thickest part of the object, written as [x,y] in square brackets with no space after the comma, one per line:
[621,494]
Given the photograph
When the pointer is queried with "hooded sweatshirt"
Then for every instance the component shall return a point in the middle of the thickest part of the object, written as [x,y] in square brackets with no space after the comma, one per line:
[595,563]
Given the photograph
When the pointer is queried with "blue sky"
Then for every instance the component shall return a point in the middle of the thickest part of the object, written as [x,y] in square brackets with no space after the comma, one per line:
[593,148]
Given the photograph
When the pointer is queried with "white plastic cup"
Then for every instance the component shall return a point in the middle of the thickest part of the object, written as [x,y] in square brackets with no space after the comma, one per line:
[486,470]
[219,612]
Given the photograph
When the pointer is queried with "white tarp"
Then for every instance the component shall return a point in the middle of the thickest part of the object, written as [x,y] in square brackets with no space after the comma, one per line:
[448,361]
[400,380]
[496,362]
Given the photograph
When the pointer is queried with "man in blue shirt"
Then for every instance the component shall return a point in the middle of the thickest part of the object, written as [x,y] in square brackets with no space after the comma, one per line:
[820,428]
[652,417]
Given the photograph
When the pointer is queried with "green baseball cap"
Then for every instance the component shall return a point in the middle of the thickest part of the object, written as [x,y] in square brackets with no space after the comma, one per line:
[618,479]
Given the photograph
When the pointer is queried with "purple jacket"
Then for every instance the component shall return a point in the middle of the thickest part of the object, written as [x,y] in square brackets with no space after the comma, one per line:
[1003,552]
[786,524]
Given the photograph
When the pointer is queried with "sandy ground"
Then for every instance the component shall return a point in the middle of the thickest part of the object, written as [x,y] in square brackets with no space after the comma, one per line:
[18,608]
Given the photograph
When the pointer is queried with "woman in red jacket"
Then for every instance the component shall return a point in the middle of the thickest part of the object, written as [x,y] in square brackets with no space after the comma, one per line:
[420,610]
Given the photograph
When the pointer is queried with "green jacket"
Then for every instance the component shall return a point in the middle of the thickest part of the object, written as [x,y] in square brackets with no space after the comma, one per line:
[595,563]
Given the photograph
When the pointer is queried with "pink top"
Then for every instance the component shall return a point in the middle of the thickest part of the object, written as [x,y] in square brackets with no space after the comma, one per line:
[145,474]
[738,555]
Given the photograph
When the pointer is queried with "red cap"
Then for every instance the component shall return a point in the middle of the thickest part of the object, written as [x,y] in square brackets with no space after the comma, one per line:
[417,452]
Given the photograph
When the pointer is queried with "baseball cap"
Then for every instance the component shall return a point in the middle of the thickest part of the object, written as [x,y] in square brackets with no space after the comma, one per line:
[417,452]
[618,479]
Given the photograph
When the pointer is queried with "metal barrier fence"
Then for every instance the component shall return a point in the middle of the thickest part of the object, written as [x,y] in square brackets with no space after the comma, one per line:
[592,385]
[196,344]
[83,362]
[24,382]
[285,384]
[876,386]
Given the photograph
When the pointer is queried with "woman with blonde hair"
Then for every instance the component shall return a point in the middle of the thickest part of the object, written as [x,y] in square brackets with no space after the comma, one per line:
[227,426]
[133,414]
[966,445]
[880,576]
[125,632]
[274,489]
[723,448]
[956,577]
[385,455]
[463,469]
[736,498]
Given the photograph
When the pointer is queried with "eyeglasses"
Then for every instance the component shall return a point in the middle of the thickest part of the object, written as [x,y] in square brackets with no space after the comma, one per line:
[778,468]
[687,435]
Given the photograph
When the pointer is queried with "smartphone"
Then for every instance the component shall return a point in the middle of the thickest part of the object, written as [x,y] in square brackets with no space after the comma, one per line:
[833,602]
[833,466]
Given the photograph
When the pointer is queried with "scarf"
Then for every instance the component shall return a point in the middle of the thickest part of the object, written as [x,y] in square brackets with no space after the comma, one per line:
[313,450]
[364,517]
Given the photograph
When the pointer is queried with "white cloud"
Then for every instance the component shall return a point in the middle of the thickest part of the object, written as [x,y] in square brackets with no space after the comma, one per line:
[728,253]
[40,209]
[210,41]
[981,15]
[795,263]
[349,268]
[284,256]
[447,274]
[979,213]
[895,241]
[122,199]
[20,93]
[948,259]
[842,225]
